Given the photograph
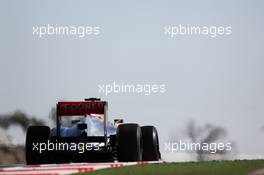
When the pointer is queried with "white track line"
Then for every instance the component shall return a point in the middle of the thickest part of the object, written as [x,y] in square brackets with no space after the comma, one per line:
[63,169]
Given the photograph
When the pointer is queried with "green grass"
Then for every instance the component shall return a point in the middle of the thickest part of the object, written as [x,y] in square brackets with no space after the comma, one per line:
[238,167]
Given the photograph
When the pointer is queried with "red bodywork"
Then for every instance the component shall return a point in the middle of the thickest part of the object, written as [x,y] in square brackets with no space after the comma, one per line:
[81,108]
[86,107]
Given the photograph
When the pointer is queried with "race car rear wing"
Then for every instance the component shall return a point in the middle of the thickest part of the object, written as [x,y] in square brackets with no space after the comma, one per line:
[86,107]
[81,108]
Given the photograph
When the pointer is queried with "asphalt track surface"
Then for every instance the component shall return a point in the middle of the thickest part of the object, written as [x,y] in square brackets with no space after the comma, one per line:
[58,169]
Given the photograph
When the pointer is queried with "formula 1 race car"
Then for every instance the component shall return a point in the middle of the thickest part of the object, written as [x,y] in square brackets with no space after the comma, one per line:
[89,137]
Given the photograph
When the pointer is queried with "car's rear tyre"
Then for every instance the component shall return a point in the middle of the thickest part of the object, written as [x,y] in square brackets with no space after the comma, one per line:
[35,136]
[150,143]
[129,142]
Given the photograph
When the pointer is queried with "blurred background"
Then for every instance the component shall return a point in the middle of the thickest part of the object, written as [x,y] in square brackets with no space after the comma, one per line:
[214,86]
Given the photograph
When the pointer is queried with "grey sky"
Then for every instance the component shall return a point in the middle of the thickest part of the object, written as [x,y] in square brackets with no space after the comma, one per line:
[215,80]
